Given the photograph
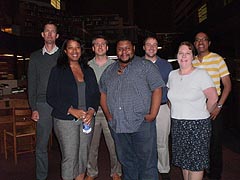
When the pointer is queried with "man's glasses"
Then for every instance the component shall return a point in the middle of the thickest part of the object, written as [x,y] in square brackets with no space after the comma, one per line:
[100,44]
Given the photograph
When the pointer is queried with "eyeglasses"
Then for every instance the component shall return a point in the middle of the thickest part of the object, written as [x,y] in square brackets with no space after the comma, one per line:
[100,44]
[202,39]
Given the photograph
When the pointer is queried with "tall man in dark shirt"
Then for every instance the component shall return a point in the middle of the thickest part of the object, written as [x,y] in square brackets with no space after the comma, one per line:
[40,65]
[163,120]
[130,98]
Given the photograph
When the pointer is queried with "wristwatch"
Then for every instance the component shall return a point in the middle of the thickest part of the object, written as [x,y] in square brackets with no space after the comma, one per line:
[219,106]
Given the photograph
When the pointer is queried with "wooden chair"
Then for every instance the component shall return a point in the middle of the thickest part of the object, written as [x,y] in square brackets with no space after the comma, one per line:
[24,103]
[5,120]
[19,103]
[24,129]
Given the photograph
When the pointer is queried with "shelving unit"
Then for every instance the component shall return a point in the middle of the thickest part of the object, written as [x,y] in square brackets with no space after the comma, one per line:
[7,68]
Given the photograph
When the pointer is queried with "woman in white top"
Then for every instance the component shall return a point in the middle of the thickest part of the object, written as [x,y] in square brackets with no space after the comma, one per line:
[193,96]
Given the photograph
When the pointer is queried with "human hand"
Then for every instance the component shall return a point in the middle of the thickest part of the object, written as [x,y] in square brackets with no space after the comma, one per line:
[215,113]
[149,117]
[35,116]
[77,113]
[109,118]
[88,116]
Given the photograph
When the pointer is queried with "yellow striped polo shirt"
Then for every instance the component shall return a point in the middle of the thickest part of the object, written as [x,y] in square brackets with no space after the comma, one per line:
[215,66]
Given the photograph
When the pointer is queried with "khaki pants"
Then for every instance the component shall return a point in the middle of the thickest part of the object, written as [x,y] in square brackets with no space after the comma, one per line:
[101,125]
[163,122]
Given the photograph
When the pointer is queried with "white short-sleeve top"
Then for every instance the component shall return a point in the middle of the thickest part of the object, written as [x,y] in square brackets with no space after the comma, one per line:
[186,95]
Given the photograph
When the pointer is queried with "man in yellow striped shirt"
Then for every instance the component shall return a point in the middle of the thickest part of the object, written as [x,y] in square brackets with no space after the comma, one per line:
[215,65]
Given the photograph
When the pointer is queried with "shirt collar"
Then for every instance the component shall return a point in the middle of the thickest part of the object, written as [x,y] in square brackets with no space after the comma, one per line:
[151,60]
[44,50]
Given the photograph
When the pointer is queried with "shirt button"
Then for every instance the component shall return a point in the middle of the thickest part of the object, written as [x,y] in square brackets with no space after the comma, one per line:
[120,108]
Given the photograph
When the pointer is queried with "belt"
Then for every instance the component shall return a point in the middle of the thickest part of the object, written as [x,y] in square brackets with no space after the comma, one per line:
[163,103]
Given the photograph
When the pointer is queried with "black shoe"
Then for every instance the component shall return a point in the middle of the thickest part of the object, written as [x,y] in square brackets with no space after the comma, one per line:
[165,176]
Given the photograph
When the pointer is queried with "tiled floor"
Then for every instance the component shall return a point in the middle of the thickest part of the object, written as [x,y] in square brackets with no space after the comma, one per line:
[25,170]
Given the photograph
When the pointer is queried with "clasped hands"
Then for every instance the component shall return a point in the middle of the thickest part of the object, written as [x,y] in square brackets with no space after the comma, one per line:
[85,116]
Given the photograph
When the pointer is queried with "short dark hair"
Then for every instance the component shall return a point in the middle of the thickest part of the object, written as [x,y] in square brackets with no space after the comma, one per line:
[203,33]
[149,37]
[52,23]
[124,38]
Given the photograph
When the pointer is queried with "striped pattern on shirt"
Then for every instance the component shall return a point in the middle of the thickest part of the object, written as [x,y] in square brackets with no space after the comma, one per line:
[215,66]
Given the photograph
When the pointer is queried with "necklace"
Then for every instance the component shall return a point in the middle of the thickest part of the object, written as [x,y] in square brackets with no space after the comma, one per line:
[182,74]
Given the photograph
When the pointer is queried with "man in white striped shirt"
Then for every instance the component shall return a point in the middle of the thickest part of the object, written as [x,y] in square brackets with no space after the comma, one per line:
[215,65]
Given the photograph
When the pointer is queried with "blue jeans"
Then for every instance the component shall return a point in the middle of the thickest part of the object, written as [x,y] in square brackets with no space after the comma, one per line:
[44,129]
[137,152]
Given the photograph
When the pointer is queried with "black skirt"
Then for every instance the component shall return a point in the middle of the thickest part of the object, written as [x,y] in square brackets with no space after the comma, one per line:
[190,143]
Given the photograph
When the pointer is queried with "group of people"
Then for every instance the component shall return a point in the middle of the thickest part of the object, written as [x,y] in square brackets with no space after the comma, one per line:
[134,101]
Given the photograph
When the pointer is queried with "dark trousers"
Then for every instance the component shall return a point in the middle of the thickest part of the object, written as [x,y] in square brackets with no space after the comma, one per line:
[44,129]
[137,152]
[216,162]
